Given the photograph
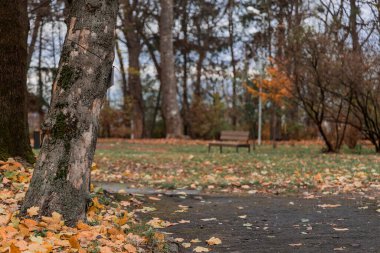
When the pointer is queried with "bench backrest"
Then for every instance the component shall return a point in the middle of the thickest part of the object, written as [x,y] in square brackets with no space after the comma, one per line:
[234,136]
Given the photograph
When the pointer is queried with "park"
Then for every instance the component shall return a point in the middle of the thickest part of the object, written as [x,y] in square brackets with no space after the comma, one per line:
[189,126]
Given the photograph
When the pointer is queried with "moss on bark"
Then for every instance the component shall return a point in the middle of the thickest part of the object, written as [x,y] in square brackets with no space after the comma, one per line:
[67,77]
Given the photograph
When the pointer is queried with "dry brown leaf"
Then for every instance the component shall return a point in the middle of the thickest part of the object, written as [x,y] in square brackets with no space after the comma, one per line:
[74,243]
[83,226]
[341,229]
[186,245]
[200,249]
[295,244]
[130,248]
[329,205]
[33,211]
[106,249]
[214,241]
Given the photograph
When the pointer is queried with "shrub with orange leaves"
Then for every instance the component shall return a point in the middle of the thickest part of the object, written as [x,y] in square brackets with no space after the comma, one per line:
[275,87]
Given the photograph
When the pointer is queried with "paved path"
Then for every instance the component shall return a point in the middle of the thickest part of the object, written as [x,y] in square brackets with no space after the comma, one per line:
[274,224]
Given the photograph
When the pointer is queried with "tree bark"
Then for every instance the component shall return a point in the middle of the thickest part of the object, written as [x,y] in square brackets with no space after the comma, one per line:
[170,108]
[61,179]
[124,83]
[233,62]
[14,137]
[134,81]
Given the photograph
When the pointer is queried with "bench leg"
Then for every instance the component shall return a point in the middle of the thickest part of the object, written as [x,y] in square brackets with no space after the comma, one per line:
[221,149]
[249,149]
[209,148]
[237,149]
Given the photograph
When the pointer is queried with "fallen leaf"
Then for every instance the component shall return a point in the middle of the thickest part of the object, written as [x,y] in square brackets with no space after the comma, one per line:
[130,248]
[33,211]
[186,245]
[14,249]
[341,229]
[73,240]
[329,205]
[242,216]
[214,241]
[106,249]
[201,249]
[208,219]
[195,240]
[295,244]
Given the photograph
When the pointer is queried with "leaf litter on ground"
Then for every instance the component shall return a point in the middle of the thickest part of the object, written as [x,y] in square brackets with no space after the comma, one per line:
[109,226]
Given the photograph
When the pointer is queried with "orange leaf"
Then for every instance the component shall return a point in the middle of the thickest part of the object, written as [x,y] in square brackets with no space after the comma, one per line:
[73,240]
[83,226]
[130,248]
[14,249]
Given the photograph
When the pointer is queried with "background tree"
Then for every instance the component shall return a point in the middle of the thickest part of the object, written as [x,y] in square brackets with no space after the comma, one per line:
[14,138]
[61,179]
[170,108]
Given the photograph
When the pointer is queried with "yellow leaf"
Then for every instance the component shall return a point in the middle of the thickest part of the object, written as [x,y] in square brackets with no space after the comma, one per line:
[201,249]
[33,211]
[96,203]
[123,219]
[94,166]
[213,241]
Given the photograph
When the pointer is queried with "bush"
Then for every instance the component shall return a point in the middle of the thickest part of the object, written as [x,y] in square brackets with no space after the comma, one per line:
[207,120]
[114,122]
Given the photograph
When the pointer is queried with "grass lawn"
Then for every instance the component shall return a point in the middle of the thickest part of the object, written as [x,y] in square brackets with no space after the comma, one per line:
[187,164]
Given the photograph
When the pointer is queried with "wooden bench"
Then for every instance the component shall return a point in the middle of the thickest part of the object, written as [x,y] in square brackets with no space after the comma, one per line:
[237,139]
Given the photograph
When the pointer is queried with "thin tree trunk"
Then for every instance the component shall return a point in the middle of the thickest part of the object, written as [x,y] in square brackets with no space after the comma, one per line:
[135,88]
[14,137]
[185,101]
[33,40]
[134,81]
[233,62]
[170,108]
[61,179]
[354,10]
[124,82]
[40,82]
[155,113]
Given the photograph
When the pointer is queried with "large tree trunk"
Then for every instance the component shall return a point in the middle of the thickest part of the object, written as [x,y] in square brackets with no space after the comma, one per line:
[14,138]
[61,180]
[170,108]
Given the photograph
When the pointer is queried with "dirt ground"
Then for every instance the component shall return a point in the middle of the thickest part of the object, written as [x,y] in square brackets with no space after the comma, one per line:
[273,223]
